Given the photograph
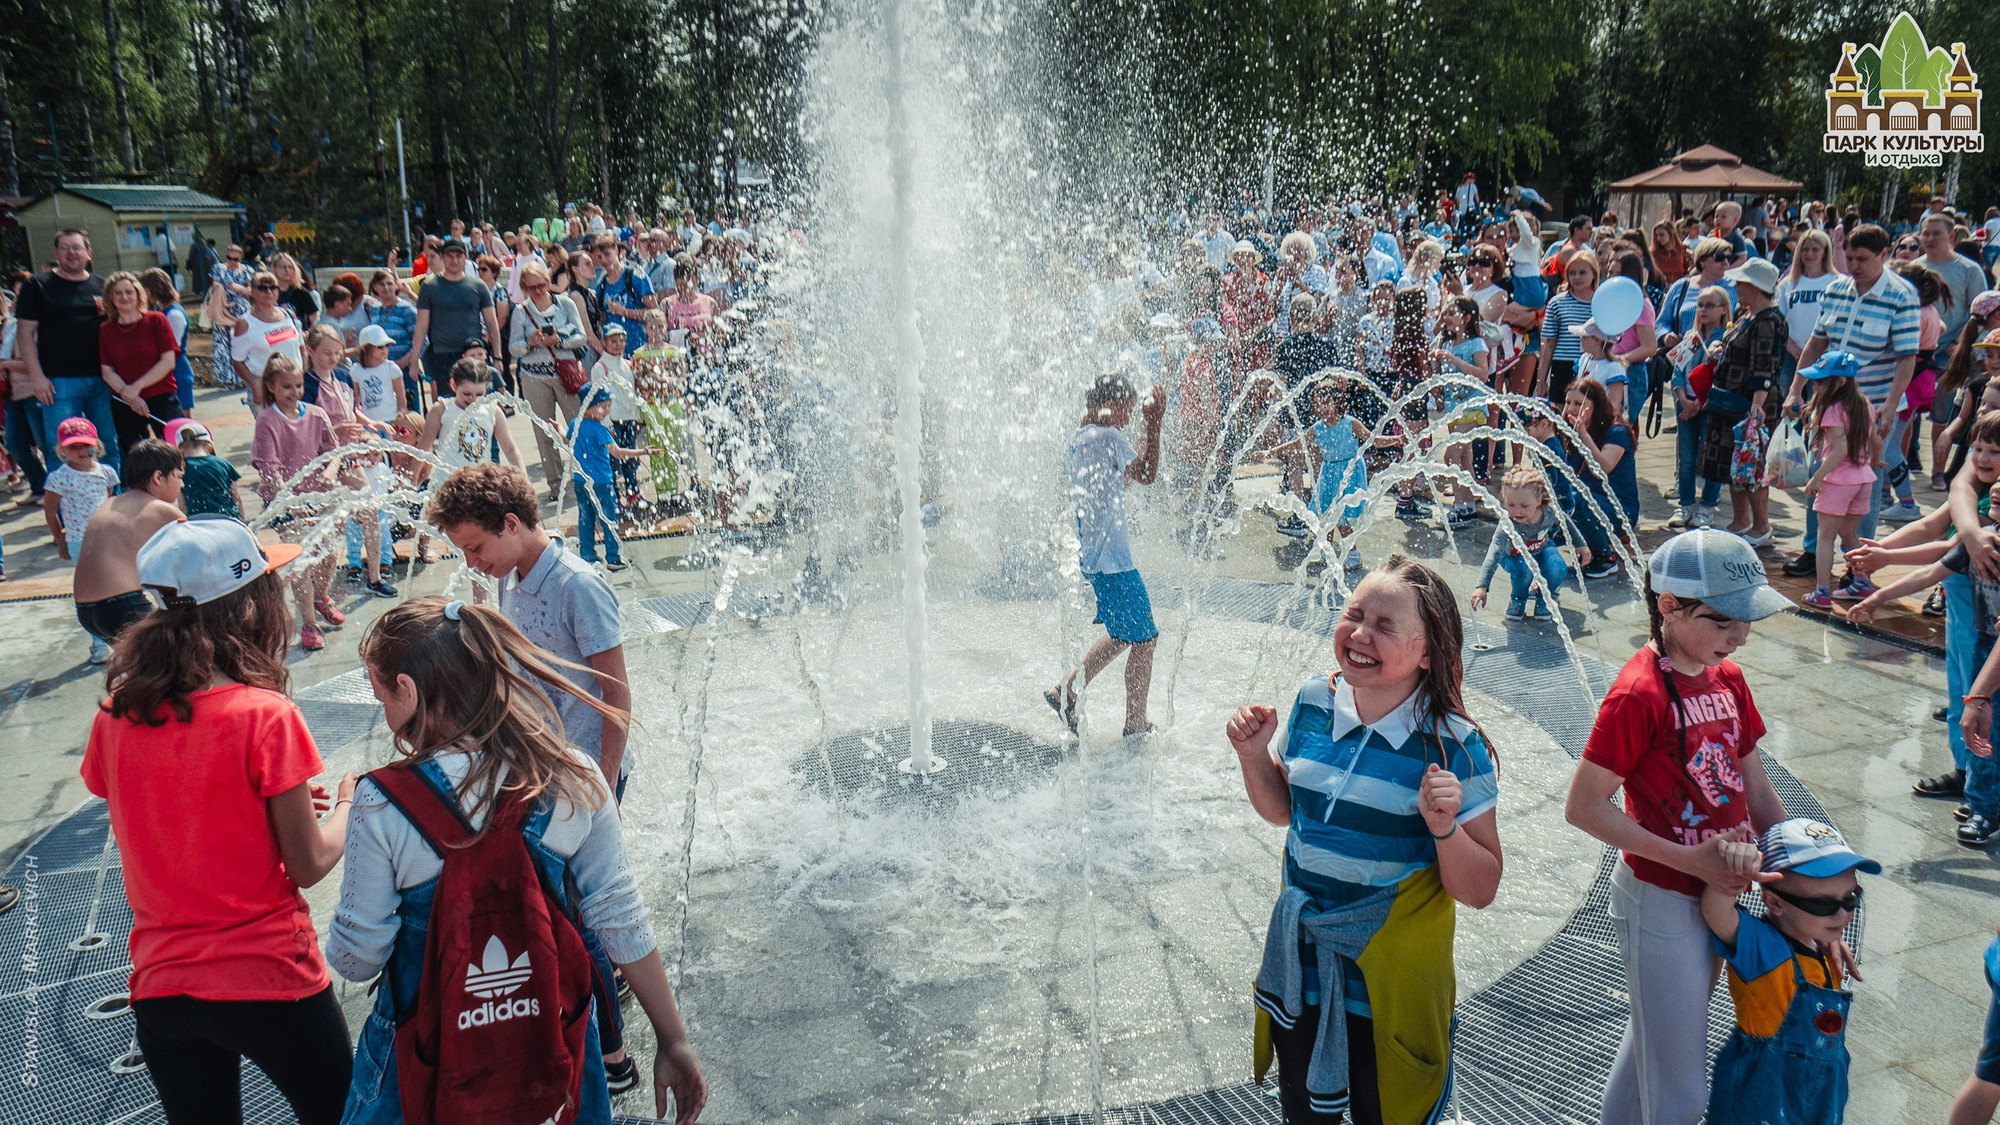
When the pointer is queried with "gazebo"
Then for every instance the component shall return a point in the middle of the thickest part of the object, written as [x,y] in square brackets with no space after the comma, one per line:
[1693,180]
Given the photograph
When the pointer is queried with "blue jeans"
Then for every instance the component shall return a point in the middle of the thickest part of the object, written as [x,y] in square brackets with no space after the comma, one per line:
[79,397]
[625,471]
[1687,456]
[1522,576]
[1965,650]
[385,522]
[589,519]
[1982,777]
[22,441]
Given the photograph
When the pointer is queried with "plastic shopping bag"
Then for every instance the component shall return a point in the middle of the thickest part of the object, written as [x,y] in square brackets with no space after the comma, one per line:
[1788,464]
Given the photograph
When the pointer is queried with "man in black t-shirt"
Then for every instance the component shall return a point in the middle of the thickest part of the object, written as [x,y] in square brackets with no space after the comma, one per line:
[452,307]
[58,315]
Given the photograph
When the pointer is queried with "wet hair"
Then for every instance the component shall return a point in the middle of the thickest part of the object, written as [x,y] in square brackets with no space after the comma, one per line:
[145,458]
[162,659]
[483,496]
[1528,478]
[485,688]
[275,368]
[1109,388]
[1441,687]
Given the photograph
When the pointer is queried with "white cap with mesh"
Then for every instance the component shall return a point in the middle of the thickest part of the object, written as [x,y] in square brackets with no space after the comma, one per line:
[1717,569]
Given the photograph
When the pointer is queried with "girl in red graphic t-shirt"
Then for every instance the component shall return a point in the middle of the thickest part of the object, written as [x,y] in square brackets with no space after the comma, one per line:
[1678,732]
[207,768]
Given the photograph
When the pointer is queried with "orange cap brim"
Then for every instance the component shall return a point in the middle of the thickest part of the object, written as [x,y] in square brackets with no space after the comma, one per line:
[278,554]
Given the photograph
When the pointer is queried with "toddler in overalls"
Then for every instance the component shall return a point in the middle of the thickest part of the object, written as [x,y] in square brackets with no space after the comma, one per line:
[1785,1062]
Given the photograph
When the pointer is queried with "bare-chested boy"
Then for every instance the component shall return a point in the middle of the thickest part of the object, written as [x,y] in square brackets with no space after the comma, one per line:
[108,597]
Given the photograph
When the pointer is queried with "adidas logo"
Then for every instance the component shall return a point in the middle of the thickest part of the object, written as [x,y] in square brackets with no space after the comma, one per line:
[493,976]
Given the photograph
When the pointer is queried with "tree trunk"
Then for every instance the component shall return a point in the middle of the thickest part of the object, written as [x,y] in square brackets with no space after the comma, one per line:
[119,97]
[725,75]
[83,114]
[10,172]
[468,135]
[374,118]
[239,44]
[603,152]
[443,207]
[198,47]
[558,153]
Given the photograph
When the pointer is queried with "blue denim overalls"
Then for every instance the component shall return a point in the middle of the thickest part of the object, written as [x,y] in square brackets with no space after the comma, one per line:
[373,1097]
[1796,1077]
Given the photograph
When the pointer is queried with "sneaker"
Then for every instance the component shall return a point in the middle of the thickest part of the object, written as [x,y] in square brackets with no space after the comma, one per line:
[99,651]
[1962,813]
[614,566]
[1801,565]
[1354,561]
[381,588]
[1678,520]
[1949,785]
[1934,605]
[1412,509]
[329,612]
[1461,515]
[1547,610]
[1516,609]
[1855,590]
[1704,516]
[1601,568]
[1902,513]
[1938,483]
[1977,831]
[311,639]
[621,1076]
[1818,599]
[1942,714]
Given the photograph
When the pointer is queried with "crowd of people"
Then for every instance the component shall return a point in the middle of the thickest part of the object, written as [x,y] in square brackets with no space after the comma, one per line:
[484,879]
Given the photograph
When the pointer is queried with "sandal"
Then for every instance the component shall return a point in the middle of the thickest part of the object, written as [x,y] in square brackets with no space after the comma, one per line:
[1948,785]
[1934,605]
[1066,707]
[10,897]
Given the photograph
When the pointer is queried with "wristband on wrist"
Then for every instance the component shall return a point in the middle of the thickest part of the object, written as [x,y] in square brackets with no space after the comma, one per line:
[1978,699]
[1446,836]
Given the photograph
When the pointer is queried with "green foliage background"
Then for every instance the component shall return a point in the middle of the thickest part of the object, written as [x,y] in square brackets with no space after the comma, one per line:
[512,106]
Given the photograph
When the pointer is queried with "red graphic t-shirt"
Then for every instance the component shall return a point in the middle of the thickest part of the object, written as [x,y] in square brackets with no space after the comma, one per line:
[1683,794]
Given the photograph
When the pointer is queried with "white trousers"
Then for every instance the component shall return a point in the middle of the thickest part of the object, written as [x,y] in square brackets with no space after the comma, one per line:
[1661,1075]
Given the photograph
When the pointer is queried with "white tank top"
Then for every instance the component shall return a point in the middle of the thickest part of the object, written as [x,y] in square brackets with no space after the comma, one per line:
[465,434]
[266,338]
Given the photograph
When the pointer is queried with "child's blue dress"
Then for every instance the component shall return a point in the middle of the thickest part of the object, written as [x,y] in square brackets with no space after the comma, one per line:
[1343,476]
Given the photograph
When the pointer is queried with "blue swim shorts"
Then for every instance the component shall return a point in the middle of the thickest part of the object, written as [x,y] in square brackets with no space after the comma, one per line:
[1123,607]
[1988,1067]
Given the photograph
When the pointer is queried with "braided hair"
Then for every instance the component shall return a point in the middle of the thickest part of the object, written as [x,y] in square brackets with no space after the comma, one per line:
[1657,620]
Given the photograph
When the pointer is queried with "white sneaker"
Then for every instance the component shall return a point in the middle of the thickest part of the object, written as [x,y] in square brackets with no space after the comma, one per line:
[1704,516]
[99,651]
[1902,513]
[1678,520]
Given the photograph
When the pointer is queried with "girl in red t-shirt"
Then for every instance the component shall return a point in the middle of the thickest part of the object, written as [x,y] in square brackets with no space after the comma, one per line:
[1678,732]
[207,768]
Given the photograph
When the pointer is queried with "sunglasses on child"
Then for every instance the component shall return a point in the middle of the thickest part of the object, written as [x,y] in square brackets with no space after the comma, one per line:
[1821,906]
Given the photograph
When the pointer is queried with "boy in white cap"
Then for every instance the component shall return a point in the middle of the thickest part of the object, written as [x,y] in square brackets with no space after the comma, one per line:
[1786,1059]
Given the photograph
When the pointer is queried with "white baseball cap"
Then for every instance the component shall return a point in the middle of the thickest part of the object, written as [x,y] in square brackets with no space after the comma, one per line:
[374,336]
[195,561]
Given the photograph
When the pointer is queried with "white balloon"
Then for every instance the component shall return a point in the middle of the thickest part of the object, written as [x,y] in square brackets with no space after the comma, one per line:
[1617,305]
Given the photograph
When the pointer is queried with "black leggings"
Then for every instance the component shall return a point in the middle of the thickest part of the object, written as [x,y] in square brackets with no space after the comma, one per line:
[192,1047]
[1295,1049]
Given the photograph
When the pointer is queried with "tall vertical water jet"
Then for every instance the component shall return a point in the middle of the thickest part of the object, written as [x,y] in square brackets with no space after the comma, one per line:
[909,426]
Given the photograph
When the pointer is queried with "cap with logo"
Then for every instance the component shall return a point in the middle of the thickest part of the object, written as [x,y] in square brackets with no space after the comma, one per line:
[186,429]
[197,560]
[1990,340]
[1758,272]
[1719,570]
[1833,365]
[374,336]
[1803,846]
[75,431]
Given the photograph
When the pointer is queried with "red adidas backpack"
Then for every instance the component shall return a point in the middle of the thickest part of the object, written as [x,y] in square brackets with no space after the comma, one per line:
[497,1032]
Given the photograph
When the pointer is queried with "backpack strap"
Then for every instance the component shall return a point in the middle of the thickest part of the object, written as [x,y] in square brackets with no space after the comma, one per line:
[434,814]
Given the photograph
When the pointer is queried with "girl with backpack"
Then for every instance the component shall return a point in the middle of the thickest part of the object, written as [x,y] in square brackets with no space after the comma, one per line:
[471,861]
[207,768]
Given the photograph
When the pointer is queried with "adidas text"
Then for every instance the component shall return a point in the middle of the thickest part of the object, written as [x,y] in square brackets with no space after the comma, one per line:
[491,1012]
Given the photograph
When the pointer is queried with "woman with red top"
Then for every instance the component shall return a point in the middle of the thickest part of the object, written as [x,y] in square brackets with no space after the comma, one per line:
[137,349]
[207,767]
[1678,732]
[1670,254]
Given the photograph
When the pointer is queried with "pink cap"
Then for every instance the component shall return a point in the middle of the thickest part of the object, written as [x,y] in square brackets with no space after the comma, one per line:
[76,431]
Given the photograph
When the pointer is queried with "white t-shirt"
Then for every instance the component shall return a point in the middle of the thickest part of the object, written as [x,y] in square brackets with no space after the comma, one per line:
[614,374]
[1097,459]
[1799,301]
[375,389]
[255,346]
[465,434]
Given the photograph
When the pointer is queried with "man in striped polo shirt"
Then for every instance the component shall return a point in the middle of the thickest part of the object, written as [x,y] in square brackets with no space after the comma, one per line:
[1871,314]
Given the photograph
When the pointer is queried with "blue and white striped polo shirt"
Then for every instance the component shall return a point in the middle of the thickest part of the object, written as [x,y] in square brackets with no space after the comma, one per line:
[1355,825]
[1879,328]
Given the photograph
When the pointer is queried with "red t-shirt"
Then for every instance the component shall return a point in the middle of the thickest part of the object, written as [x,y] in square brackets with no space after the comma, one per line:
[1681,796]
[132,349]
[214,915]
